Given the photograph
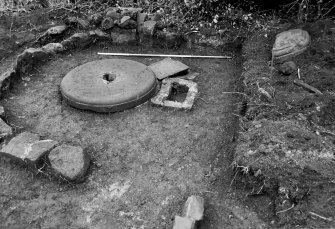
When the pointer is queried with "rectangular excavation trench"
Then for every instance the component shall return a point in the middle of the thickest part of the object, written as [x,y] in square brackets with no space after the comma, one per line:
[146,160]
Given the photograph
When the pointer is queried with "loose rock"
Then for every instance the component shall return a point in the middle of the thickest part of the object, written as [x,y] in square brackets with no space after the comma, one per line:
[71,162]
[194,208]
[123,38]
[107,23]
[28,58]
[53,48]
[78,40]
[56,30]
[99,35]
[26,147]
[183,223]
[149,28]
[288,68]
[5,130]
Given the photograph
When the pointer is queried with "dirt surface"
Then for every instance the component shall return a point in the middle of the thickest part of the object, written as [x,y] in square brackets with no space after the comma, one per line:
[146,160]
[286,147]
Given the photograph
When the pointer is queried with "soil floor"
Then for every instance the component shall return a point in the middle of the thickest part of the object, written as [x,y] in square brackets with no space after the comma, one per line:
[146,161]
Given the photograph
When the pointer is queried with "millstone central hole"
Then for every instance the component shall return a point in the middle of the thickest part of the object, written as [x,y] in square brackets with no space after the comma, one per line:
[178,93]
[109,77]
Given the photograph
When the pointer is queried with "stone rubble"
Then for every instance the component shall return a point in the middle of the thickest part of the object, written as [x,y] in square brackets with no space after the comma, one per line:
[27,147]
[70,162]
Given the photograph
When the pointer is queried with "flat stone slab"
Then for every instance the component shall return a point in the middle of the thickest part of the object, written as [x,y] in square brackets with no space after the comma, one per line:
[108,85]
[161,99]
[27,147]
[70,162]
[167,67]
[290,43]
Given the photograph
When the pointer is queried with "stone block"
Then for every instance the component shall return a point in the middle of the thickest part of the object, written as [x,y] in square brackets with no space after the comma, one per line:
[149,28]
[26,147]
[194,208]
[26,60]
[70,162]
[77,40]
[183,223]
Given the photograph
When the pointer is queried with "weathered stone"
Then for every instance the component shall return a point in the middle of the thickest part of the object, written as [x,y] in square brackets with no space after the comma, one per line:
[28,58]
[77,40]
[99,35]
[123,38]
[194,208]
[288,68]
[149,28]
[127,23]
[53,48]
[5,130]
[168,67]
[183,223]
[56,30]
[71,162]
[107,23]
[27,147]
[289,44]
[6,78]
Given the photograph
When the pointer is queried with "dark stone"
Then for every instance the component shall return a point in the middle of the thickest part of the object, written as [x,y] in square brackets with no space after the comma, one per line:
[288,68]
[99,35]
[28,58]
[127,23]
[107,23]
[70,162]
[78,40]
[123,37]
[149,28]
[113,15]
[26,147]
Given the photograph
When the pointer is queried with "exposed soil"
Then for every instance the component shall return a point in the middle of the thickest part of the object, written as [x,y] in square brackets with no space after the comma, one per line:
[146,160]
[286,149]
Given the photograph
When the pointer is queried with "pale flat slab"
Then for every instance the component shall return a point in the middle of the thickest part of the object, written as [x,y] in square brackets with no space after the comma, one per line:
[167,67]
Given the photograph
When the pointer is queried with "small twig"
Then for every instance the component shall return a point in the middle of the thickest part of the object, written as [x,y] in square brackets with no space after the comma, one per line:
[299,73]
[329,219]
[285,210]
[307,87]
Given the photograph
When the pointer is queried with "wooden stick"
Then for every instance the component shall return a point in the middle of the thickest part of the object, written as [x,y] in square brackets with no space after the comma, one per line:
[163,55]
[307,86]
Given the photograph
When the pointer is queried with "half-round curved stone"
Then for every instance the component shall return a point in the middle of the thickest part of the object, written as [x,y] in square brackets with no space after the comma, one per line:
[290,43]
[71,162]
[108,85]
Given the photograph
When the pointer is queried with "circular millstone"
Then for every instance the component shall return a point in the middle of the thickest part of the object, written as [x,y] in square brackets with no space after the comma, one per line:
[108,85]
